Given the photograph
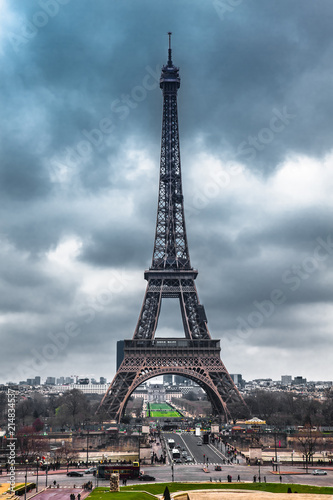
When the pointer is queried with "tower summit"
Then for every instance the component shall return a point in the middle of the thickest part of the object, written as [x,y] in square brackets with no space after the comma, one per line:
[197,356]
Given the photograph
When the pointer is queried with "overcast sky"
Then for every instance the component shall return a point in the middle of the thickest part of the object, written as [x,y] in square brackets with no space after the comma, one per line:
[81,117]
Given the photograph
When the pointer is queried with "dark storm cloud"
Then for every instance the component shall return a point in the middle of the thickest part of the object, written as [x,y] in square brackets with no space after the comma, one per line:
[117,249]
[81,118]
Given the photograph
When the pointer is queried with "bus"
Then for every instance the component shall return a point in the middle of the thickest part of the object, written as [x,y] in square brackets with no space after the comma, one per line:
[125,471]
[171,443]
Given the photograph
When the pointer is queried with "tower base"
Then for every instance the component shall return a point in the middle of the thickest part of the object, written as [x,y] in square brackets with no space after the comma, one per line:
[198,360]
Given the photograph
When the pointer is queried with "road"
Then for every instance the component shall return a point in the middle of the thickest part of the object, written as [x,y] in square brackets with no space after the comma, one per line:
[193,472]
[200,454]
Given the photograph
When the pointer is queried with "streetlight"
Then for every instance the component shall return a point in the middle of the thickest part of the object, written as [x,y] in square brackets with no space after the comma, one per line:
[46,470]
[259,471]
[172,472]
[96,473]
[37,458]
[275,449]
[25,482]
[87,445]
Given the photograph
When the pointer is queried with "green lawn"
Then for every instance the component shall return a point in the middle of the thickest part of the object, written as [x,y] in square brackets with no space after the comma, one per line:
[125,495]
[158,488]
[159,406]
[137,491]
[162,410]
[165,414]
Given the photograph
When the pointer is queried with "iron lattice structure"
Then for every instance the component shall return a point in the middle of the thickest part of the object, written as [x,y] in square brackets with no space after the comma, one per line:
[197,356]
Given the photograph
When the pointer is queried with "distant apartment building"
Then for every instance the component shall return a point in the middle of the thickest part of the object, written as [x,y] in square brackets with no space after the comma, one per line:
[299,381]
[179,380]
[86,388]
[286,379]
[50,381]
[167,379]
[238,379]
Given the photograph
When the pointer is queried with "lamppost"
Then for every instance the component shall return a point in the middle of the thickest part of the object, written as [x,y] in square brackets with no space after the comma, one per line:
[25,482]
[46,471]
[172,472]
[259,478]
[37,458]
[292,458]
[96,473]
[275,449]
[87,446]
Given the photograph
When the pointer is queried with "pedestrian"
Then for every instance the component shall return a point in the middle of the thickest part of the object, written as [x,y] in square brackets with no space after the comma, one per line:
[125,482]
[280,479]
[79,496]
[254,479]
[264,479]
[238,478]
[54,483]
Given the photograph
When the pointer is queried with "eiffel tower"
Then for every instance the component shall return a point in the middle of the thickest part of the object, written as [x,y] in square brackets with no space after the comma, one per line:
[197,355]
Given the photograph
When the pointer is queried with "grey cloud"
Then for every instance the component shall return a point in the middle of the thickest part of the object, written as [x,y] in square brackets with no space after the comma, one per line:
[262,58]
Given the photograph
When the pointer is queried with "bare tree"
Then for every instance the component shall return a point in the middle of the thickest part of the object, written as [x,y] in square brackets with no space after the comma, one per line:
[307,441]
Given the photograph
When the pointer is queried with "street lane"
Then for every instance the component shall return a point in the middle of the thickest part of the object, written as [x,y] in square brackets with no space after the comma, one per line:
[193,472]
[189,442]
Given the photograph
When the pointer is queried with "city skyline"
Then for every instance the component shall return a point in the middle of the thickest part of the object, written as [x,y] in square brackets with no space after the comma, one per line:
[82,379]
[80,180]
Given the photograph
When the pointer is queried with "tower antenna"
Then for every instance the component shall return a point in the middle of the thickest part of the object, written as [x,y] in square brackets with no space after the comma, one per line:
[169,51]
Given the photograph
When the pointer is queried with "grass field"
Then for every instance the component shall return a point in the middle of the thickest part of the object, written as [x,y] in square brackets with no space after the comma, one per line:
[136,492]
[102,494]
[159,406]
[161,410]
[166,414]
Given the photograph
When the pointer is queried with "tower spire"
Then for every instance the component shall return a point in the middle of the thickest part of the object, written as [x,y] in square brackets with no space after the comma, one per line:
[169,51]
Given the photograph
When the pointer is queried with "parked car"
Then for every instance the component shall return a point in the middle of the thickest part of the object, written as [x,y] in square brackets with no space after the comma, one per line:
[319,472]
[199,443]
[146,477]
[91,470]
[74,473]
